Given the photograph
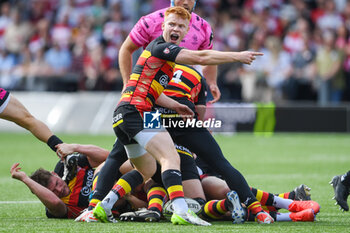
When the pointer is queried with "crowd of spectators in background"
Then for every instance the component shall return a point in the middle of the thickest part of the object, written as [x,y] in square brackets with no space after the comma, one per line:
[72,45]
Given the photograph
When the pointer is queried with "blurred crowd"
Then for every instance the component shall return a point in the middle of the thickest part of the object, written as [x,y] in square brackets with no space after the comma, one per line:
[72,45]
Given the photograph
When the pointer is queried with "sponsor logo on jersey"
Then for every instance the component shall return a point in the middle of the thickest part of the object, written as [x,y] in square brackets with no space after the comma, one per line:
[166,51]
[164,80]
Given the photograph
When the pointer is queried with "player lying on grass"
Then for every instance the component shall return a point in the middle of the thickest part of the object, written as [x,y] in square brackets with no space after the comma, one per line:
[341,186]
[12,110]
[61,199]
[300,207]
[151,74]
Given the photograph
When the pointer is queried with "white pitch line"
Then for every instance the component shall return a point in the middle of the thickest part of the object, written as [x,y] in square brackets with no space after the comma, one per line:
[19,202]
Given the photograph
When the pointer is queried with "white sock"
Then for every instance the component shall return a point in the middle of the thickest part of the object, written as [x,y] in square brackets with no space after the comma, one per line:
[283,217]
[180,206]
[281,203]
[110,200]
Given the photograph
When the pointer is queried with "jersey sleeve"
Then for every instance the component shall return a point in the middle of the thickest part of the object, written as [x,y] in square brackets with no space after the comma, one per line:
[59,169]
[208,35]
[141,33]
[201,98]
[49,215]
[83,161]
[166,51]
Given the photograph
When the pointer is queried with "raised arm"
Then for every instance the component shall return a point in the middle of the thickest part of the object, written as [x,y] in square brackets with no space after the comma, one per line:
[95,155]
[214,57]
[210,73]
[125,59]
[54,205]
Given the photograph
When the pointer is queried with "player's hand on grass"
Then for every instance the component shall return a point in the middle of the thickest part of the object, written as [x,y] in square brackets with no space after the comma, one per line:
[16,172]
[247,57]
[184,111]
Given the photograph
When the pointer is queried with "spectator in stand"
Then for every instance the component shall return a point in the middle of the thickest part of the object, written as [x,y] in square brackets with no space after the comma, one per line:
[58,58]
[253,77]
[40,37]
[277,68]
[5,20]
[61,32]
[115,31]
[96,66]
[346,66]
[74,10]
[38,71]
[294,40]
[331,19]
[329,62]
[300,85]
[17,33]
[39,9]
[8,63]
[98,15]
[346,15]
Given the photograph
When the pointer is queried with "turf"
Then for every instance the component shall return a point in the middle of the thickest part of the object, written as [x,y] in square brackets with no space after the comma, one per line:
[276,164]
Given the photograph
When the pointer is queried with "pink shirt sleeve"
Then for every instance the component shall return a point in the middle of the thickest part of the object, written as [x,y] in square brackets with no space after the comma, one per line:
[208,36]
[199,36]
[147,28]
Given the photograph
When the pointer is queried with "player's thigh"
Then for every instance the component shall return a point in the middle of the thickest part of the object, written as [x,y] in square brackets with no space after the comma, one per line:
[214,188]
[193,188]
[15,111]
[162,148]
[145,164]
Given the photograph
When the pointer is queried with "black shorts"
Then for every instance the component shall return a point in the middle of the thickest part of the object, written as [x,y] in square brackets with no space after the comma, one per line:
[188,166]
[3,97]
[127,122]
[206,169]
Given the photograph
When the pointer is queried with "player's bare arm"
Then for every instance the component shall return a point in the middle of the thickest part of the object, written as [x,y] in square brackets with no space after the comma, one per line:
[95,155]
[211,73]
[125,59]
[52,202]
[213,57]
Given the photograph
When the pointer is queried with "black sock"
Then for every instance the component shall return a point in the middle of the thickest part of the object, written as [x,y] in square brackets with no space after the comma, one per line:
[53,141]
[172,181]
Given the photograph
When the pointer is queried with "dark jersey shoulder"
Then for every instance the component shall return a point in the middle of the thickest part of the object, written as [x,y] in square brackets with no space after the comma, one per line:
[202,96]
[164,50]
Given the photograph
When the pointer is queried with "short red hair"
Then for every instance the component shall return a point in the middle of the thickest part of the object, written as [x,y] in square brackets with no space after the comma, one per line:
[178,10]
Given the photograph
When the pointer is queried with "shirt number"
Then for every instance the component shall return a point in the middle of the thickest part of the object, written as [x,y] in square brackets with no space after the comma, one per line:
[177,76]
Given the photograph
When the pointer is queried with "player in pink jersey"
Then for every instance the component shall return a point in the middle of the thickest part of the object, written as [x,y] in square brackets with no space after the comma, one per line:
[199,37]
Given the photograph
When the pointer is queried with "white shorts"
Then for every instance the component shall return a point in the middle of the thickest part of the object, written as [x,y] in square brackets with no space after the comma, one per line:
[142,138]
[4,105]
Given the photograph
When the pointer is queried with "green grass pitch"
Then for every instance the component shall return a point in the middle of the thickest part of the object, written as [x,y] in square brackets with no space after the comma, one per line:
[276,164]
